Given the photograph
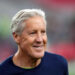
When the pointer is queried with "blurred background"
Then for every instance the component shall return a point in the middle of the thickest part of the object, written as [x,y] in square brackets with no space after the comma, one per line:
[60,15]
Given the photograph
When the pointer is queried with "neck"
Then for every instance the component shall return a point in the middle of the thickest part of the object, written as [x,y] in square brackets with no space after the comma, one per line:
[23,61]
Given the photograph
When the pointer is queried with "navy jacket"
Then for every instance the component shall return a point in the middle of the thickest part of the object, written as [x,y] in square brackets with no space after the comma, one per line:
[51,64]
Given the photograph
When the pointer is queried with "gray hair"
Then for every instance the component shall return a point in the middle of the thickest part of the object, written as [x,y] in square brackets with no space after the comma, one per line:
[17,25]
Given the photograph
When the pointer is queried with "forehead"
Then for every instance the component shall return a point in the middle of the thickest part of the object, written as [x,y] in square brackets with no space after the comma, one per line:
[35,22]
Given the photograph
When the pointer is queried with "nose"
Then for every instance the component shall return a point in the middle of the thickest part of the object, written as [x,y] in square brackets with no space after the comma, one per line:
[39,38]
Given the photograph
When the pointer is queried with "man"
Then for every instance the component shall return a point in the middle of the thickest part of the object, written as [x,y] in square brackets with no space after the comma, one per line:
[29,32]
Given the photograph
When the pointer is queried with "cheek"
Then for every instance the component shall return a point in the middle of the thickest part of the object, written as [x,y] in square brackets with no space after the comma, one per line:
[27,41]
[45,39]
[23,41]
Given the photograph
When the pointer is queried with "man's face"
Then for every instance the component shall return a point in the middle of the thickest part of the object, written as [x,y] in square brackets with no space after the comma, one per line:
[33,39]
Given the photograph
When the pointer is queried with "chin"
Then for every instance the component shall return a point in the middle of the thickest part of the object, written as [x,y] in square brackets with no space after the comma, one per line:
[39,55]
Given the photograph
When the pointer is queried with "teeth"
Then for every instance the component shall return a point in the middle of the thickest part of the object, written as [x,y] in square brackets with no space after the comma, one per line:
[38,46]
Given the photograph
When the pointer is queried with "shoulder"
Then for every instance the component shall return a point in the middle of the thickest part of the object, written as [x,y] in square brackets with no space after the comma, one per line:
[56,62]
[6,63]
[55,58]
[6,67]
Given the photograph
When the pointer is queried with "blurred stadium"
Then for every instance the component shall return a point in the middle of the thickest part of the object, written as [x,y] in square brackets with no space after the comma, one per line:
[60,15]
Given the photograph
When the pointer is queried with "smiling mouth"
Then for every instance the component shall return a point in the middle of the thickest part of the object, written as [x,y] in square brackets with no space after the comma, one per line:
[38,47]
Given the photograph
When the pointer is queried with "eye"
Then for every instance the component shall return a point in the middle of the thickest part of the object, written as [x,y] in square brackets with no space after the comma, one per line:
[33,32]
[43,31]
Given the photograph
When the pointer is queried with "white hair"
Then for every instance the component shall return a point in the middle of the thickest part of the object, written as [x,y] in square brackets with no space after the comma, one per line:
[17,25]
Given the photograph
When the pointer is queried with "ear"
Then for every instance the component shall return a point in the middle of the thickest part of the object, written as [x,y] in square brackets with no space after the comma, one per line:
[16,38]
